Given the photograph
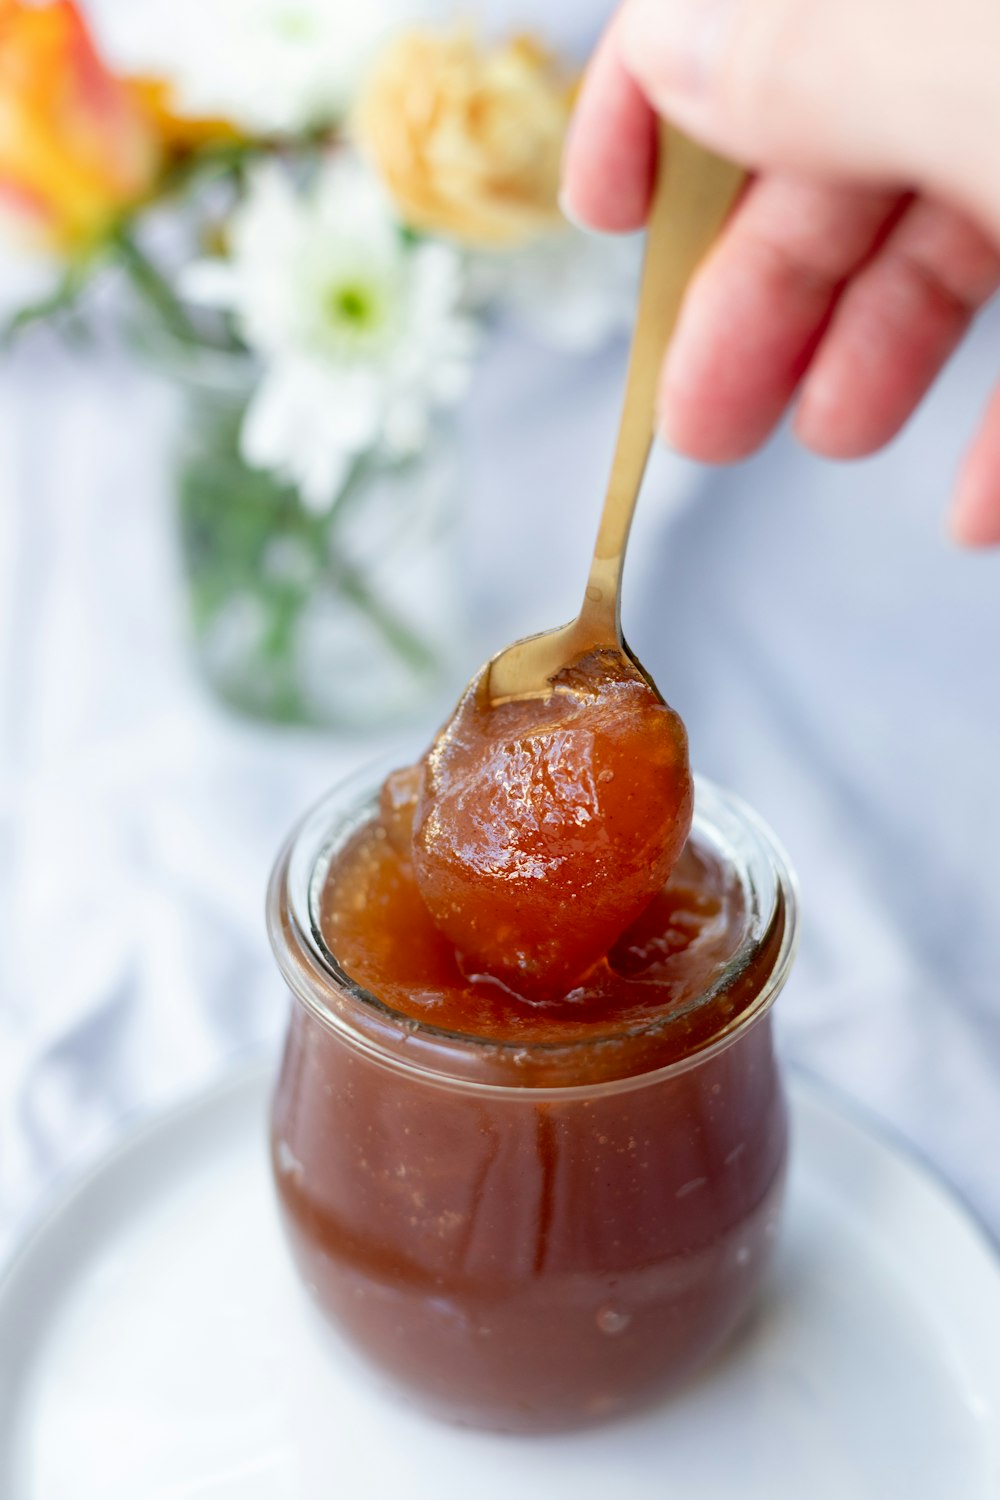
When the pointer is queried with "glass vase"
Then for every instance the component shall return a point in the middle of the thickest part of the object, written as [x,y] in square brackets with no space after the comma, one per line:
[344,617]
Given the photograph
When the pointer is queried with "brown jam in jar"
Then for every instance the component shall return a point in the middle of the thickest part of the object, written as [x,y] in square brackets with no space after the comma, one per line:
[530,1211]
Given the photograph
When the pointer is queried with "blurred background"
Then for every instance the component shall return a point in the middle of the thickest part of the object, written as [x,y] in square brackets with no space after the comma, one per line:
[307,398]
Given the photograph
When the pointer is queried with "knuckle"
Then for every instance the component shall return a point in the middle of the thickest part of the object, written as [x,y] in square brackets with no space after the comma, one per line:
[760,82]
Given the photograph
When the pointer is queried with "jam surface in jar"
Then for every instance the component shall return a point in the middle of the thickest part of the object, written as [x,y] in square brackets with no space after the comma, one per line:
[532,1211]
[373,918]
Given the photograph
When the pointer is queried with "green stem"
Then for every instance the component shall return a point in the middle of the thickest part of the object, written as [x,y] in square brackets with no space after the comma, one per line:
[395,632]
[228,158]
[150,282]
[60,300]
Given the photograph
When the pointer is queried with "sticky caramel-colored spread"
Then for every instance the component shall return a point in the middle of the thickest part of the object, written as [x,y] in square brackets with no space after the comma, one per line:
[374,920]
[538,831]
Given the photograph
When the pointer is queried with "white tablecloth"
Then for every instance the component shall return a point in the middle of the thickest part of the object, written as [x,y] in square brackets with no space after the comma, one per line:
[836,661]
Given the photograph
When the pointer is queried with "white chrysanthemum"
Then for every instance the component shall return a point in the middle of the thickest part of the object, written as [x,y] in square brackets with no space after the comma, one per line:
[359,329]
[268,66]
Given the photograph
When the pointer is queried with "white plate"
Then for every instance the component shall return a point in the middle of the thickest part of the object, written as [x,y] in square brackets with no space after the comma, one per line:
[154,1345]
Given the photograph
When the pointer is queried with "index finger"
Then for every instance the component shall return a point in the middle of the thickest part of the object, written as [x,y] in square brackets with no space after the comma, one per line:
[610,155]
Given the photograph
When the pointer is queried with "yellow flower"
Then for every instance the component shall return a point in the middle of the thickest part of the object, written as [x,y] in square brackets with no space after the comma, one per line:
[74,148]
[467,141]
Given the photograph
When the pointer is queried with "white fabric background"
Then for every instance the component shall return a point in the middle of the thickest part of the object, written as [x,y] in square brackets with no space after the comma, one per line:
[835,658]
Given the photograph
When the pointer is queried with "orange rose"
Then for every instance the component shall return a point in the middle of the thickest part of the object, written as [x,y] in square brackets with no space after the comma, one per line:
[75,149]
[467,141]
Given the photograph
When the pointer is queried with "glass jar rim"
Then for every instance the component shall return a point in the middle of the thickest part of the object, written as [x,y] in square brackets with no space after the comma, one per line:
[387,1036]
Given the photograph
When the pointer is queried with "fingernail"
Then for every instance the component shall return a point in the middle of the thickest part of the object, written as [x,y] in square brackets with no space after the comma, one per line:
[565,206]
[958,533]
[569,213]
[665,426]
[970,530]
[974,520]
[674,44]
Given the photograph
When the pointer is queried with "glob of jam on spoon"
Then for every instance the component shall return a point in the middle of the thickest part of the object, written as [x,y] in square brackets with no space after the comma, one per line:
[540,830]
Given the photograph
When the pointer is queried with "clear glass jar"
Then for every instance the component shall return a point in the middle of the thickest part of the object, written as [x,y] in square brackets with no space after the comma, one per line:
[530,1237]
[346,617]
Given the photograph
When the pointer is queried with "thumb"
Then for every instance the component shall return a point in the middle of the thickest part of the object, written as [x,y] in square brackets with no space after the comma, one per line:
[873,90]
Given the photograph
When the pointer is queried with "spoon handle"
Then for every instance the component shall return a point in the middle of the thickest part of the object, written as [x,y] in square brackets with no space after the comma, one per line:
[694,192]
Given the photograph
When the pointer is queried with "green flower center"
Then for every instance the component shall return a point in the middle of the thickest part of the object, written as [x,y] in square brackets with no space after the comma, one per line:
[296,26]
[353,306]
[358,316]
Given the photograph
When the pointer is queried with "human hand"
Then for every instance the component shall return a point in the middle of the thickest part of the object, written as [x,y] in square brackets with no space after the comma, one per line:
[867,241]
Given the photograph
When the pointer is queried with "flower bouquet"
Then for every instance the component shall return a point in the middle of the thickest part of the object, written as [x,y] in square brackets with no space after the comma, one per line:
[316,215]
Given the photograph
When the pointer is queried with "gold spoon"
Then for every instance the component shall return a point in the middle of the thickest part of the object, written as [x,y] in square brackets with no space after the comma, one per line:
[694,192]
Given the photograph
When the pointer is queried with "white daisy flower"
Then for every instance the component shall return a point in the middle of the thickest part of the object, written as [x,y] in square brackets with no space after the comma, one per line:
[359,329]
